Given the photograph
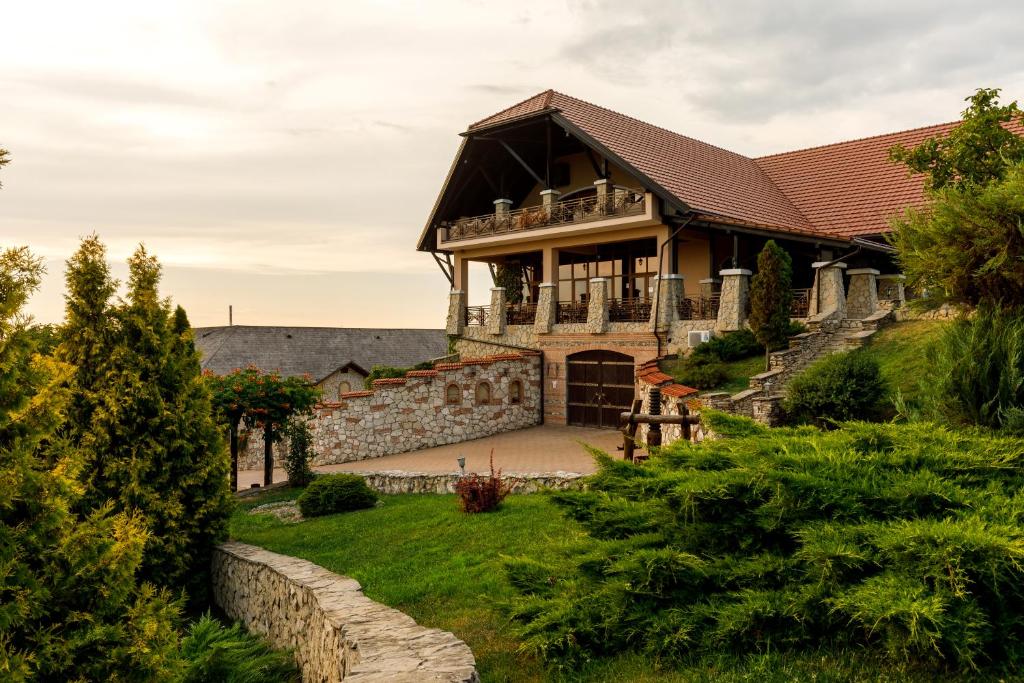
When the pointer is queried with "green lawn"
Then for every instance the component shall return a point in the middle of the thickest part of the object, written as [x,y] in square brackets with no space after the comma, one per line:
[420,554]
[900,350]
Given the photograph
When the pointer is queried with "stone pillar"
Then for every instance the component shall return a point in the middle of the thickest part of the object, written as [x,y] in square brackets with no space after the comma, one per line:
[862,299]
[890,288]
[604,194]
[497,317]
[456,312]
[548,199]
[669,290]
[732,307]
[828,295]
[502,207]
[547,308]
[597,311]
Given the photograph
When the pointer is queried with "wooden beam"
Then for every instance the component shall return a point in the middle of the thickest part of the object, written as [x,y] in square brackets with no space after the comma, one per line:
[447,267]
[601,174]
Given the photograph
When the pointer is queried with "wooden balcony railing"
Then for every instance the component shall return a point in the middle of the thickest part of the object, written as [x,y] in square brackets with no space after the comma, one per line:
[801,303]
[572,312]
[699,307]
[618,203]
[629,310]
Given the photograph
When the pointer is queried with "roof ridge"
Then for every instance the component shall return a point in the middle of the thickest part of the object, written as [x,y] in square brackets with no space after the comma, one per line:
[851,140]
[547,100]
[653,125]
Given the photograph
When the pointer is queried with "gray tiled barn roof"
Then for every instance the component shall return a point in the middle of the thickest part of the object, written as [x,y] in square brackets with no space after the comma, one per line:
[318,351]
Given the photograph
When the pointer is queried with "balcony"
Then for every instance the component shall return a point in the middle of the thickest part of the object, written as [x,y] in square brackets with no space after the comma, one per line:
[629,310]
[801,303]
[620,203]
[699,307]
[515,314]
[571,312]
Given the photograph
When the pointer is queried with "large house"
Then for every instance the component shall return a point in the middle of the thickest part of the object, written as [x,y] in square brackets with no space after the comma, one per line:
[625,241]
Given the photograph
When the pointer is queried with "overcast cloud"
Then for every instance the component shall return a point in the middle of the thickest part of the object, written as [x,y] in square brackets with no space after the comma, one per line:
[283,156]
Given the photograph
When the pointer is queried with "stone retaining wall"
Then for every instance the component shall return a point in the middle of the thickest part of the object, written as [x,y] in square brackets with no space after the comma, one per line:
[413,412]
[397,481]
[337,633]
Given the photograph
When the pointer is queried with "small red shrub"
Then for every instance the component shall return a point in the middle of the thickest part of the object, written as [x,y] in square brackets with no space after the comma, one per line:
[481,494]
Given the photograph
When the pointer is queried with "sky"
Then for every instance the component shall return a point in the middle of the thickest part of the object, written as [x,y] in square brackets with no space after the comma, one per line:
[282,157]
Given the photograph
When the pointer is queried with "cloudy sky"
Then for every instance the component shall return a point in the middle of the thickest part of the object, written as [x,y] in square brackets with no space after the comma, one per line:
[282,156]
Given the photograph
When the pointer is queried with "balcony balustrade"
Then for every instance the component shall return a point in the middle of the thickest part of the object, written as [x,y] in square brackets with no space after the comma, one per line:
[476,316]
[629,310]
[801,303]
[699,307]
[581,210]
[571,312]
[515,314]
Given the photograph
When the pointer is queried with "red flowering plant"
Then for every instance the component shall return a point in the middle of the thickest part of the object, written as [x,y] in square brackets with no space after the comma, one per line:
[481,494]
[260,400]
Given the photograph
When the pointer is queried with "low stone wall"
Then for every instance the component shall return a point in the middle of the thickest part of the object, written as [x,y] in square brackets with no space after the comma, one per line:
[337,633]
[395,482]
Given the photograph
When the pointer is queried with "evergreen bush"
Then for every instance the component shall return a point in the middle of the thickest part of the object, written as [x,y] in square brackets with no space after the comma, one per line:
[229,654]
[975,373]
[842,386]
[702,375]
[333,493]
[300,452]
[900,543]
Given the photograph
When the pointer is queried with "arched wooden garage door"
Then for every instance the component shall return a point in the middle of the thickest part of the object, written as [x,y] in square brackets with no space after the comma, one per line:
[600,386]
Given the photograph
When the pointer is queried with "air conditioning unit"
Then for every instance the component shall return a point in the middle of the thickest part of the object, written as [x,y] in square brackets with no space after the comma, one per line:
[697,337]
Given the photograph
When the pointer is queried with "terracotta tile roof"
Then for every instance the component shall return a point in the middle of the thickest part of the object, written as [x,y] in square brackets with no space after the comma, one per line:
[386,381]
[421,373]
[839,191]
[678,390]
[355,394]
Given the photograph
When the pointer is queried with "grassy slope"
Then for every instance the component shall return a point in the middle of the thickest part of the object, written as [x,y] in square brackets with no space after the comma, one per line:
[900,350]
[738,372]
[421,555]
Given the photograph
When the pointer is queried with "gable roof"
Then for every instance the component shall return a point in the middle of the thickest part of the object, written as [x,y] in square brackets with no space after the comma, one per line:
[837,191]
[317,351]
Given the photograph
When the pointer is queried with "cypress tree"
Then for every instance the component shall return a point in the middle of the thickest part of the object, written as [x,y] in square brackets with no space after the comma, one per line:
[151,443]
[70,606]
[770,297]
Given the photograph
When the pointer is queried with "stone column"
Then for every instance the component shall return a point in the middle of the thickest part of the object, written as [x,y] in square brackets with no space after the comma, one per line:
[732,307]
[862,299]
[669,290]
[828,295]
[547,308]
[597,311]
[548,199]
[502,207]
[891,289]
[456,312]
[604,194]
[497,317]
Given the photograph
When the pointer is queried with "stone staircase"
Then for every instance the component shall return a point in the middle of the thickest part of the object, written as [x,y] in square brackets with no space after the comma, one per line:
[823,337]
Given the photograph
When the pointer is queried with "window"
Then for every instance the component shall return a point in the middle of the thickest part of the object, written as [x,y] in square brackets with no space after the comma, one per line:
[515,392]
[483,394]
[453,394]
[344,388]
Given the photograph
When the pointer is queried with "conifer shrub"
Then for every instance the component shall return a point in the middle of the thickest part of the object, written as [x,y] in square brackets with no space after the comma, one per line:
[900,543]
[230,654]
[701,375]
[975,373]
[842,386]
[481,494]
[331,493]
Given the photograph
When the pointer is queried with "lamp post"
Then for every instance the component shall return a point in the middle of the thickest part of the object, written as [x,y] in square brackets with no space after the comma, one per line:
[462,465]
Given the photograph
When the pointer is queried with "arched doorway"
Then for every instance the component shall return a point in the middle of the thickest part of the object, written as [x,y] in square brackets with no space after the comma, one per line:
[600,386]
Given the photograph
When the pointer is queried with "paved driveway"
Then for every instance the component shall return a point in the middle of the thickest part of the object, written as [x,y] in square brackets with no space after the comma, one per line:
[548,448]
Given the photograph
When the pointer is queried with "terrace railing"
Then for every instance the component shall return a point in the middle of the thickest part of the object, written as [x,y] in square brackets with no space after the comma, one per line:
[699,307]
[800,304]
[629,310]
[521,314]
[571,312]
[477,315]
[618,203]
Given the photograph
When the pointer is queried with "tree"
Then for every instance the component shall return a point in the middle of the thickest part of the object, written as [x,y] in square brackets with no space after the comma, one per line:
[770,297]
[261,400]
[144,417]
[5,158]
[510,276]
[70,604]
[967,246]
